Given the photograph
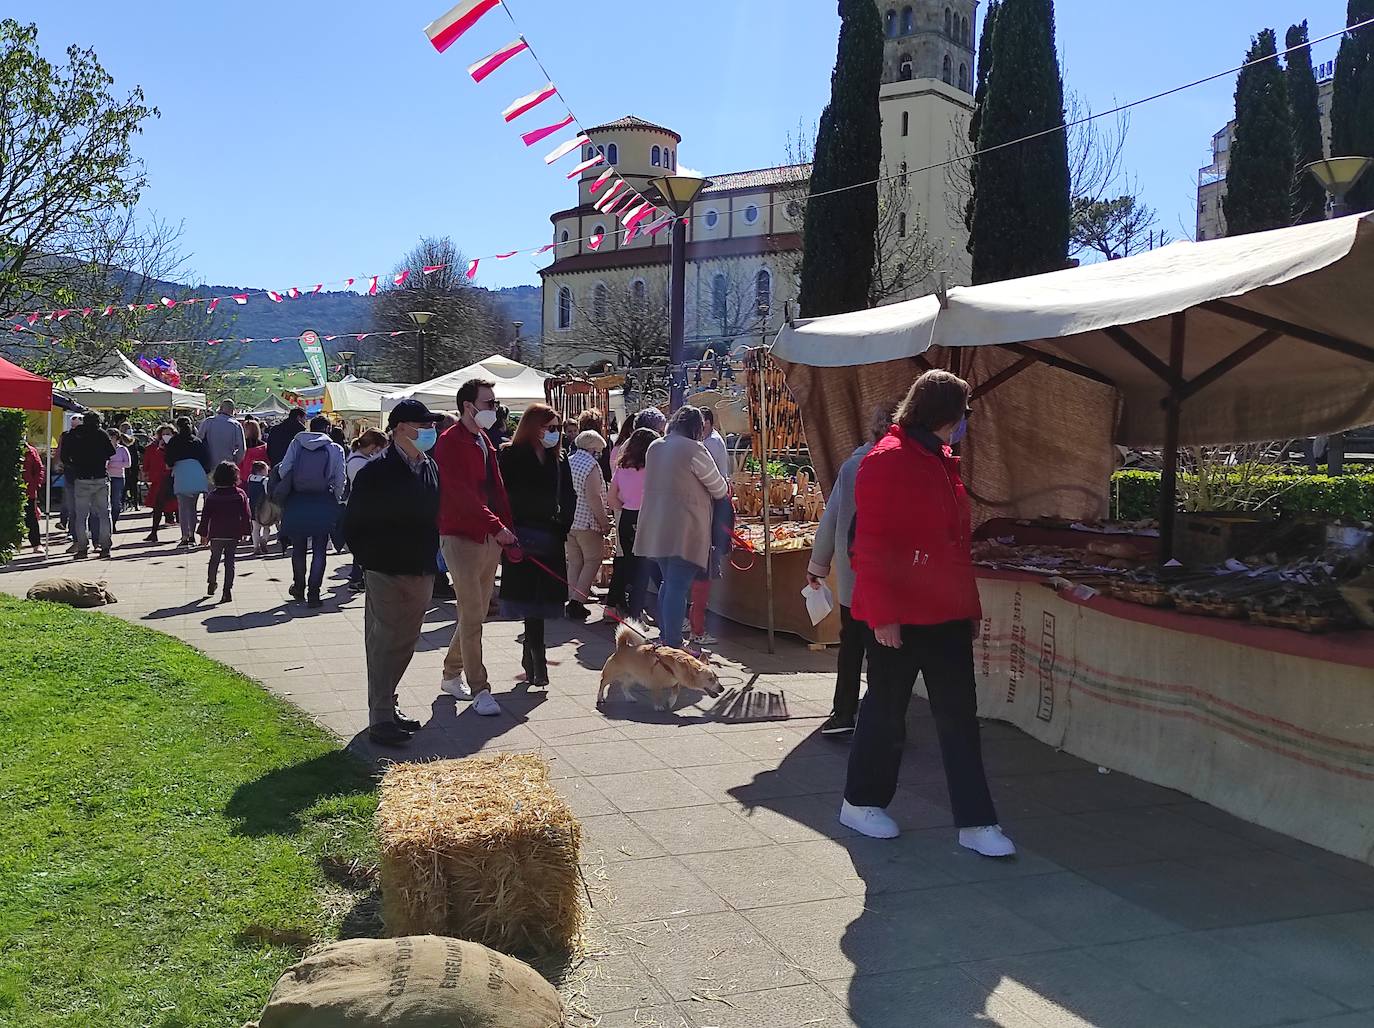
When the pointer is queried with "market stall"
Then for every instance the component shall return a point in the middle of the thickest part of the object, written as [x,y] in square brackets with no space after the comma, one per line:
[125,386]
[1238,672]
[357,403]
[517,386]
[23,390]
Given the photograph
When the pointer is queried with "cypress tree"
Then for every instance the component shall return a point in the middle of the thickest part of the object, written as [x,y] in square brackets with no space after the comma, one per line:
[838,247]
[1309,198]
[980,95]
[1021,209]
[1352,101]
[1259,181]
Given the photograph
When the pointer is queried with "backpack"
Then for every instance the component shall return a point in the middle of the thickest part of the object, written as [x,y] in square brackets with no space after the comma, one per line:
[310,473]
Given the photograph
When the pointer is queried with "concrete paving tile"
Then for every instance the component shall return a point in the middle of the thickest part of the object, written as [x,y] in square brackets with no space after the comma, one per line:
[1333,955]
[766,744]
[1164,832]
[862,866]
[612,987]
[808,1005]
[718,954]
[1070,989]
[632,891]
[572,731]
[766,876]
[1214,983]
[692,750]
[939,847]
[699,829]
[661,1016]
[932,997]
[1071,842]
[606,758]
[651,790]
[748,782]
[583,797]
[824,772]
[797,818]
[1076,792]
[1356,1020]
[1075,910]
[1027,756]
[611,837]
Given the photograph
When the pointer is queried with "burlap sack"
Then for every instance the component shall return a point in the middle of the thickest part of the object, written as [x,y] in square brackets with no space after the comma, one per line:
[420,981]
[72,591]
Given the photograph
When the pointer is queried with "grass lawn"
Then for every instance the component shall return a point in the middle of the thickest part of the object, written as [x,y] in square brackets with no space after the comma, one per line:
[252,384]
[173,835]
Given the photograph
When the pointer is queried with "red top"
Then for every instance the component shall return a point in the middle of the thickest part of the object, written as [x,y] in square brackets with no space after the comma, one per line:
[472,495]
[34,473]
[226,514]
[252,456]
[911,557]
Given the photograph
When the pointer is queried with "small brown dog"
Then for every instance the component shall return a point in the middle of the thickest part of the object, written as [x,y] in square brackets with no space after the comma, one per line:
[663,671]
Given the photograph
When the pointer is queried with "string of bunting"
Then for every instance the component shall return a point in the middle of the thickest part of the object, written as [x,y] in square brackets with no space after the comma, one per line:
[355,336]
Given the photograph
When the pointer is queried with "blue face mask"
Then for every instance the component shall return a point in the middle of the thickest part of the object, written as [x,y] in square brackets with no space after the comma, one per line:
[551,439]
[960,430]
[425,439]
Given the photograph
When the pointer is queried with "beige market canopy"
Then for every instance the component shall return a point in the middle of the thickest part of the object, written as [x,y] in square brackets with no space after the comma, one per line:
[126,386]
[517,385]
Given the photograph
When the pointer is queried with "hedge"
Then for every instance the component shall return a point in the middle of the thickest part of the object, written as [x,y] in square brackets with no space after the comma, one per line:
[1135,495]
[12,491]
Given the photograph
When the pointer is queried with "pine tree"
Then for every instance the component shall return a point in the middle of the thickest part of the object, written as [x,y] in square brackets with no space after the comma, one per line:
[1309,198]
[838,255]
[1021,208]
[1259,180]
[980,95]
[1352,100]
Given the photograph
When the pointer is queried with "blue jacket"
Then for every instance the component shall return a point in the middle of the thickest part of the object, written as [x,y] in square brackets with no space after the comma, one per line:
[832,537]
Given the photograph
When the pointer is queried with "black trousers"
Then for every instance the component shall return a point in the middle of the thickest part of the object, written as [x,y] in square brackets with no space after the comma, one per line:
[943,655]
[850,665]
[223,550]
[534,660]
[31,523]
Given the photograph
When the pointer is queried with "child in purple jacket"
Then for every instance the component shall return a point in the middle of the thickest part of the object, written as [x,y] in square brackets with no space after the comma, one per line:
[224,521]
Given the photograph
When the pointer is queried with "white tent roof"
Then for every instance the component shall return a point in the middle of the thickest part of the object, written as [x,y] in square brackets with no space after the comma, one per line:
[126,386]
[1277,332]
[271,404]
[517,385]
[357,397]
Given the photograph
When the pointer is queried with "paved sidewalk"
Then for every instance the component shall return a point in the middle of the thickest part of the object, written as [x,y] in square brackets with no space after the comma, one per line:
[725,892]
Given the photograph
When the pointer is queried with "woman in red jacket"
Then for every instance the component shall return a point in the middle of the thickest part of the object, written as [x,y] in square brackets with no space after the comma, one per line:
[155,470]
[915,591]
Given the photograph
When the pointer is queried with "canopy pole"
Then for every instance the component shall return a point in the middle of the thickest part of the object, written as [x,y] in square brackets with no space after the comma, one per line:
[764,484]
[47,482]
[1168,483]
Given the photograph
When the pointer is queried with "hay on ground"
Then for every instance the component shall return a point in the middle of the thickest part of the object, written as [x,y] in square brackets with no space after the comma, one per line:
[481,849]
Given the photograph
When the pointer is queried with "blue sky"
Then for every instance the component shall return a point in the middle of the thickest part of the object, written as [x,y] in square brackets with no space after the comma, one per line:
[302,140]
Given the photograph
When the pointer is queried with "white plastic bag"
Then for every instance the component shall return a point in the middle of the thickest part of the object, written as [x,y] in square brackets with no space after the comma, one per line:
[819,602]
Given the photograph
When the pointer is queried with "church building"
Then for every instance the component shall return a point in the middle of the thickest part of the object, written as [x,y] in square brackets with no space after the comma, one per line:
[744,233]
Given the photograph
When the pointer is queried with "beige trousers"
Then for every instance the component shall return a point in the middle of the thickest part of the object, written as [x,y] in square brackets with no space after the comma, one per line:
[393,618]
[585,549]
[472,566]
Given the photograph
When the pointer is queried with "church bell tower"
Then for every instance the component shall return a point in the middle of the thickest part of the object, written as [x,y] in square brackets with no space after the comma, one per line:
[929,39]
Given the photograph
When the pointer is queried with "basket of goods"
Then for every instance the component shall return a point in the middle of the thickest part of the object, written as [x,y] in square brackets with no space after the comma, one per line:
[809,504]
[748,495]
[1141,587]
[1303,609]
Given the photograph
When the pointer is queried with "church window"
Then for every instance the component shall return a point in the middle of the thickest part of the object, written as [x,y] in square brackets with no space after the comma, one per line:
[751,214]
[600,230]
[905,67]
[564,237]
[963,77]
[612,153]
[718,297]
[904,173]
[908,21]
[565,308]
[965,35]
[656,157]
[637,291]
[947,71]
[906,123]
[589,153]
[949,23]
[599,301]
[901,224]
[712,219]
[891,24]
[763,293]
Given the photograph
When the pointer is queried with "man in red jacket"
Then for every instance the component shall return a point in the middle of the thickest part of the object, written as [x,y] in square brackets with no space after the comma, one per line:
[34,477]
[473,515]
[915,591]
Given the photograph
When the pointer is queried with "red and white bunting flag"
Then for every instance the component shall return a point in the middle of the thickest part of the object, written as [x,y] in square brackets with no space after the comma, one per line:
[632,202]
[210,309]
[372,288]
[630,232]
[645,212]
[429,269]
[212,342]
[150,306]
[446,29]
[273,296]
[563,149]
[491,62]
[19,327]
[276,339]
[660,225]
[361,336]
[318,287]
[587,165]
[61,314]
[544,249]
[594,243]
[472,268]
[168,302]
[539,135]
[529,102]
[506,256]
[85,312]
[240,298]
[611,194]
[349,284]
[110,310]
[33,318]
[400,279]
[294,293]
[392,335]
[330,339]
[601,180]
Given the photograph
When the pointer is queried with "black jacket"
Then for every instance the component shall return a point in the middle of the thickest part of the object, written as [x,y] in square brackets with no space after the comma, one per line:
[279,438]
[392,520]
[84,452]
[187,448]
[542,503]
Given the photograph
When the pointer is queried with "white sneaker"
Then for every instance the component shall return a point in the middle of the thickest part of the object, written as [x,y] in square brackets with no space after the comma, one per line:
[456,687]
[988,840]
[871,821]
[705,639]
[485,704]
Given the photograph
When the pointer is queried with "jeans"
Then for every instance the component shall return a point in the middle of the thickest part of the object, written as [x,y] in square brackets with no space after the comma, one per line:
[943,656]
[850,665]
[91,500]
[186,515]
[319,549]
[678,576]
[225,550]
[116,502]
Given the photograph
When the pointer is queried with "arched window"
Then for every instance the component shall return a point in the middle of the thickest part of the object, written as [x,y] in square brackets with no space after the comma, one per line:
[719,289]
[600,230]
[600,299]
[966,34]
[904,67]
[763,293]
[963,77]
[601,150]
[901,224]
[906,123]
[565,308]
[904,173]
[908,21]
[947,71]
[949,23]
[891,24]
[638,293]
[612,153]
[656,157]
[564,237]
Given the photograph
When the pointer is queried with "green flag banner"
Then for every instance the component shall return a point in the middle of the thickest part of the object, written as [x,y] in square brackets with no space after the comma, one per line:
[314,355]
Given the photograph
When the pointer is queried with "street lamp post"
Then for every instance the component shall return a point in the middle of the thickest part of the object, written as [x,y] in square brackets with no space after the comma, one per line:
[421,319]
[677,193]
[347,357]
[1338,176]
[515,347]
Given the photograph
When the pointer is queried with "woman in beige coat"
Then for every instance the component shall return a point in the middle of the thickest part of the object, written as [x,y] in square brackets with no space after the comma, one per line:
[681,482]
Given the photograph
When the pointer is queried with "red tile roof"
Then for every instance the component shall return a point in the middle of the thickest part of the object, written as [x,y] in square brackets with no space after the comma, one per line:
[631,122]
[761,178]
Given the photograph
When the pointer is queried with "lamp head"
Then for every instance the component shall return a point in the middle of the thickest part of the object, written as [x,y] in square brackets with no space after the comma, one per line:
[679,192]
[1338,175]
[420,318]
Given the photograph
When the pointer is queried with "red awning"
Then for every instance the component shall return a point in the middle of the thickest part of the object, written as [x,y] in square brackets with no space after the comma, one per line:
[23,389]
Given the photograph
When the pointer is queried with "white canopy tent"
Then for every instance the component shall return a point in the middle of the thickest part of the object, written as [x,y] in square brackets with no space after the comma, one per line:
[126,386]
[357,400]
[517,385]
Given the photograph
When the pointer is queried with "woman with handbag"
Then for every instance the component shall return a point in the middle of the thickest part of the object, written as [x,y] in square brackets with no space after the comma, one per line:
[189,462]
[539,485]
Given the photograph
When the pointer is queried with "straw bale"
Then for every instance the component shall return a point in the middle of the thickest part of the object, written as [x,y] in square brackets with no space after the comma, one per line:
[481,849]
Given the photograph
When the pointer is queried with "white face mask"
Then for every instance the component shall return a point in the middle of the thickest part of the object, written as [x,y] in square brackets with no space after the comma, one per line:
[166,437]
[551,440]
[485,419]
